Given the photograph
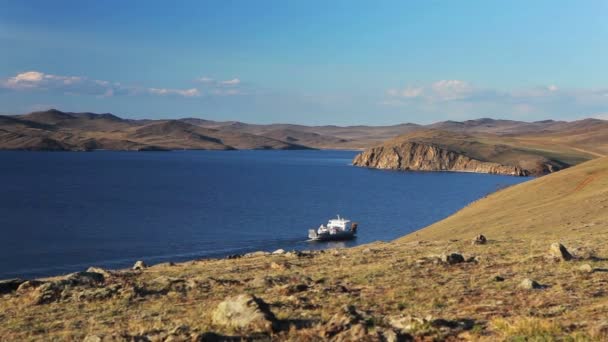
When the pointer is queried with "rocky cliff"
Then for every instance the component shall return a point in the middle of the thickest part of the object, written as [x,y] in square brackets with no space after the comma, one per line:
[411,155]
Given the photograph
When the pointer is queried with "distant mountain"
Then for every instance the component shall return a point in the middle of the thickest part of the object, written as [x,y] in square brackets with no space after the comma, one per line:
[57,130]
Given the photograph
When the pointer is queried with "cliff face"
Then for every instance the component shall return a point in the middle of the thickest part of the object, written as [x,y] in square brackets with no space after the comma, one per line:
[428,157]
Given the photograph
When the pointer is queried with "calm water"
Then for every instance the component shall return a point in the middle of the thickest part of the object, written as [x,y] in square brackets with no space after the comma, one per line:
[62,212]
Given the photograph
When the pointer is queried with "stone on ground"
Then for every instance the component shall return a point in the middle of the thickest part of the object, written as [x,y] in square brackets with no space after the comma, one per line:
[480,240]
[586,268]
[529,284]
[10,285]
[139,265]
[245,312]
[452,258]
[559,252]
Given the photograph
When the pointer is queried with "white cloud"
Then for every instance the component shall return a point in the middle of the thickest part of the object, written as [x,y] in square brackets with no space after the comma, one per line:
[36,80]
[457,96]
[205,79]
[232,82]
[183,92]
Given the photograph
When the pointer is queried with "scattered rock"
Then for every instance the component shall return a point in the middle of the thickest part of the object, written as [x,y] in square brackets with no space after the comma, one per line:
[585,268]
[349,318]
[291,289]
[529,284]
[100,270]
[280,266]
[498,278]
[559,252]
[480,240]
[268,281]
[28,285]
[279,251]
[10,285]
[139,265]
[97,293]
[92,338]
[85,278]
[47,293]
[245,312]
[452,258]
[256,254]
[163,285]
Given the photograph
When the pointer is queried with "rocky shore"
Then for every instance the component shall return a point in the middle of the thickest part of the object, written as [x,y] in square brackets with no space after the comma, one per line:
[427,157]
[435,150]
[459,290]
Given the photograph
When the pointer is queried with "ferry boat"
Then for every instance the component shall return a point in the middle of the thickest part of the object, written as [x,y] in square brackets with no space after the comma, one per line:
[336,229]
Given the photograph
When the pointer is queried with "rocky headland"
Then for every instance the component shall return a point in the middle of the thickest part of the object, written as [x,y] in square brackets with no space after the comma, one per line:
[435,150]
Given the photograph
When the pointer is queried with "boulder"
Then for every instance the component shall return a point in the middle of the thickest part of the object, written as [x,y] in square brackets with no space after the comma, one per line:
[139,265]
[84,278]
[28,285]
[279,251]
[452,258]
[279,266]
[256,254]
[480,240]
[585,268]
[347,322]
[92,338]
[100,270]
[245,313]
[529,284]
[48,293]
[10,285]
[559,252]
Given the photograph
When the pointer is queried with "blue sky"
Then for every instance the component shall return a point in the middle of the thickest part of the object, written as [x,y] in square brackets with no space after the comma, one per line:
[310,62]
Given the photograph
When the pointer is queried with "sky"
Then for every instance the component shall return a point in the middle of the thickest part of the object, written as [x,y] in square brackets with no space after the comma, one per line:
[308,62]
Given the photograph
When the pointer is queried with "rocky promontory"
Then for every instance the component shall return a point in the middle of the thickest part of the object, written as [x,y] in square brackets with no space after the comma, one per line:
[443,151]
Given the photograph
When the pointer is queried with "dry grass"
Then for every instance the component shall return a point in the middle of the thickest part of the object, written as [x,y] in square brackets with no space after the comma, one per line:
[384,281]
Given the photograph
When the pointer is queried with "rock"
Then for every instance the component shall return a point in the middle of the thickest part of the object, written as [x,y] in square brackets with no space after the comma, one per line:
[245,312]
[47,293]
[586,268]
[85,278]
[97,293]
[343,321]
[92,338]
[452,258]
[139,265]
[163,285]
[10,285]
[291,289]
[279,251]
[399,154]
[408,323]
[529,284]
[480,240]
[256,254]
[559,252]
[28,285]
[100,270]
[280,266]
[268,281]
[498,278]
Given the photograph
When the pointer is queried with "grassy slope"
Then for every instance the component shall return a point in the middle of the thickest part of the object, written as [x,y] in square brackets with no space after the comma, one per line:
[569,202]
[382,280]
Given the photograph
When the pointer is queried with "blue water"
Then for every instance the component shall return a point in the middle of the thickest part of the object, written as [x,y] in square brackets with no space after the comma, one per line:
[62,212]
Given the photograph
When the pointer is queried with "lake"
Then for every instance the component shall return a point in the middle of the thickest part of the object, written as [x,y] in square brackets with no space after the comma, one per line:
[64,211]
